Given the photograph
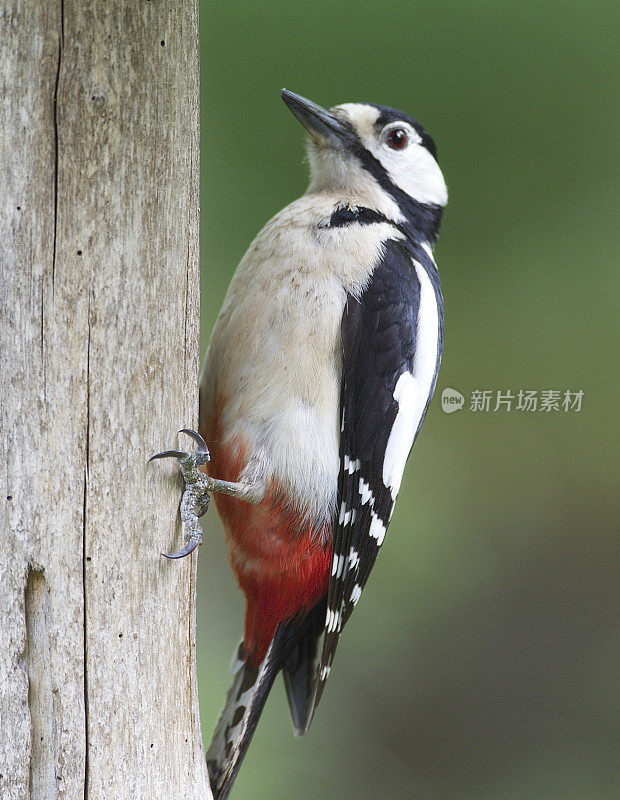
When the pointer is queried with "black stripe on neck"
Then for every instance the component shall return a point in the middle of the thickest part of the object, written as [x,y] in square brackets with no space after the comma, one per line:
[346,215]
[422,219]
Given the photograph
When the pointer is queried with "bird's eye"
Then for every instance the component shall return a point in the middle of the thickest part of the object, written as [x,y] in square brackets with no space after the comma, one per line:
[397,138]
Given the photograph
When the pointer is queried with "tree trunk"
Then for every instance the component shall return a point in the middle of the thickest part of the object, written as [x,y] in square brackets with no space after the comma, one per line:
[99,337]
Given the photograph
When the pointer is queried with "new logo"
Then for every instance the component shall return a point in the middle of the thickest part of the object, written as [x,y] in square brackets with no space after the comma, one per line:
[451,400]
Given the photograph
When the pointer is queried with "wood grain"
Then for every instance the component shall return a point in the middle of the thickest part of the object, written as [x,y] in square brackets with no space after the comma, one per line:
[99,335]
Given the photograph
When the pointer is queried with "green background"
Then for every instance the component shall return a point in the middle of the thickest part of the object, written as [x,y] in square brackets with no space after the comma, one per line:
[481,661]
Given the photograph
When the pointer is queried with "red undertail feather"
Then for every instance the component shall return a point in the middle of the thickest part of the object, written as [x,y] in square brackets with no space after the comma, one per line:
[281,561]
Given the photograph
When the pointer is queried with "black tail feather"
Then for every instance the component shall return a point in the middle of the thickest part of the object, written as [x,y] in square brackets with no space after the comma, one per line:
[300,670]
[244,703]
[293,649]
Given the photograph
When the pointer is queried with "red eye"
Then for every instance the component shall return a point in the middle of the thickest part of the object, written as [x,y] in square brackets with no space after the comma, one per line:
[397,138]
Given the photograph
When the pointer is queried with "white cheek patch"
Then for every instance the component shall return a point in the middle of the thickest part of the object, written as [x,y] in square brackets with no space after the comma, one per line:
[415,171]
[413,388]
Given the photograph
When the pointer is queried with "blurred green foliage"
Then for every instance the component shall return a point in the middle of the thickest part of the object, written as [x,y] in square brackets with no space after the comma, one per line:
[480,662]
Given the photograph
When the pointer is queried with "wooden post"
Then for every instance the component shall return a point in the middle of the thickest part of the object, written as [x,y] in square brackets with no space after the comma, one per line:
[99,369]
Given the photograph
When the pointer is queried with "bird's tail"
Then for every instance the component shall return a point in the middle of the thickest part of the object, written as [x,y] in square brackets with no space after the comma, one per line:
[235,728]
[293,650]
[300,671]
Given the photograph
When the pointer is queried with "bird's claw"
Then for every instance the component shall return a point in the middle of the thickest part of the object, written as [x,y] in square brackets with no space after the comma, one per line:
[195,500]
[202,445]
[184,551]
[168,454]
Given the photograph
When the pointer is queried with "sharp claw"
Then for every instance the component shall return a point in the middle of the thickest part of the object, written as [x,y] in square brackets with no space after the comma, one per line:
[168,454]
[196,437]
[189,548]
[195,497]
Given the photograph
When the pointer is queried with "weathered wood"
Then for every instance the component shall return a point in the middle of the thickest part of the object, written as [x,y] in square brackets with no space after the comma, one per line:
[99,337]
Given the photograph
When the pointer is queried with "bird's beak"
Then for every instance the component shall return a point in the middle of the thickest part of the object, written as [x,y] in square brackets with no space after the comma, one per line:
[322,125]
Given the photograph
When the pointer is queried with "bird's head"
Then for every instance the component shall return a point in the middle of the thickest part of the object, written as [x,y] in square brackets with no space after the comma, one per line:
[376,155]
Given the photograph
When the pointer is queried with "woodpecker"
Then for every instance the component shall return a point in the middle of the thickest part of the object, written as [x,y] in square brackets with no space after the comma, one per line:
[320,369]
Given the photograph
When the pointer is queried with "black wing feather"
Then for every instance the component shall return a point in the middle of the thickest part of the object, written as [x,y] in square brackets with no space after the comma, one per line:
[379,344]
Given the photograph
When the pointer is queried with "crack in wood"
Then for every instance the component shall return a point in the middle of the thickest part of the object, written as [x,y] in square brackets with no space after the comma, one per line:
[85,642]
[61,42]
[41,700]
[84,557]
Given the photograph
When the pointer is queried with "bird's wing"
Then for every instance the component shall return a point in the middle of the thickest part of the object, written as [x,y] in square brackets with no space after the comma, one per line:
[392,342]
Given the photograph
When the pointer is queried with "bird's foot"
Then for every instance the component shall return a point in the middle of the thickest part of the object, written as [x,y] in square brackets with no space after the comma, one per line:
[195,500]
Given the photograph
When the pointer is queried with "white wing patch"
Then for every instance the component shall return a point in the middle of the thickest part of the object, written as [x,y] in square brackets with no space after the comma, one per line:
[356,594]
[377,529]
[413,388]
[351,465]
[366,493]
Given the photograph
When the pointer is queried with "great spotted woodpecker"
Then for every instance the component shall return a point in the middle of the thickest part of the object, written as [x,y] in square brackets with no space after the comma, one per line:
[321,366]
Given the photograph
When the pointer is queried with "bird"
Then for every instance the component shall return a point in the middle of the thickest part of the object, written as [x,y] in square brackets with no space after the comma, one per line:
[319,372]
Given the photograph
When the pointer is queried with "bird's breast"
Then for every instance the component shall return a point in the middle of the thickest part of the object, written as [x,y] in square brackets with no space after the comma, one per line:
[274,360]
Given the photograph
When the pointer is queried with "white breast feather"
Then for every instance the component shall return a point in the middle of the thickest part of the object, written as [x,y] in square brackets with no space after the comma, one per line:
[275,353]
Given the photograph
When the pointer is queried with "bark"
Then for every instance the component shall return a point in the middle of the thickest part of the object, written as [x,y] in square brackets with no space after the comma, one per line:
[99,337]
